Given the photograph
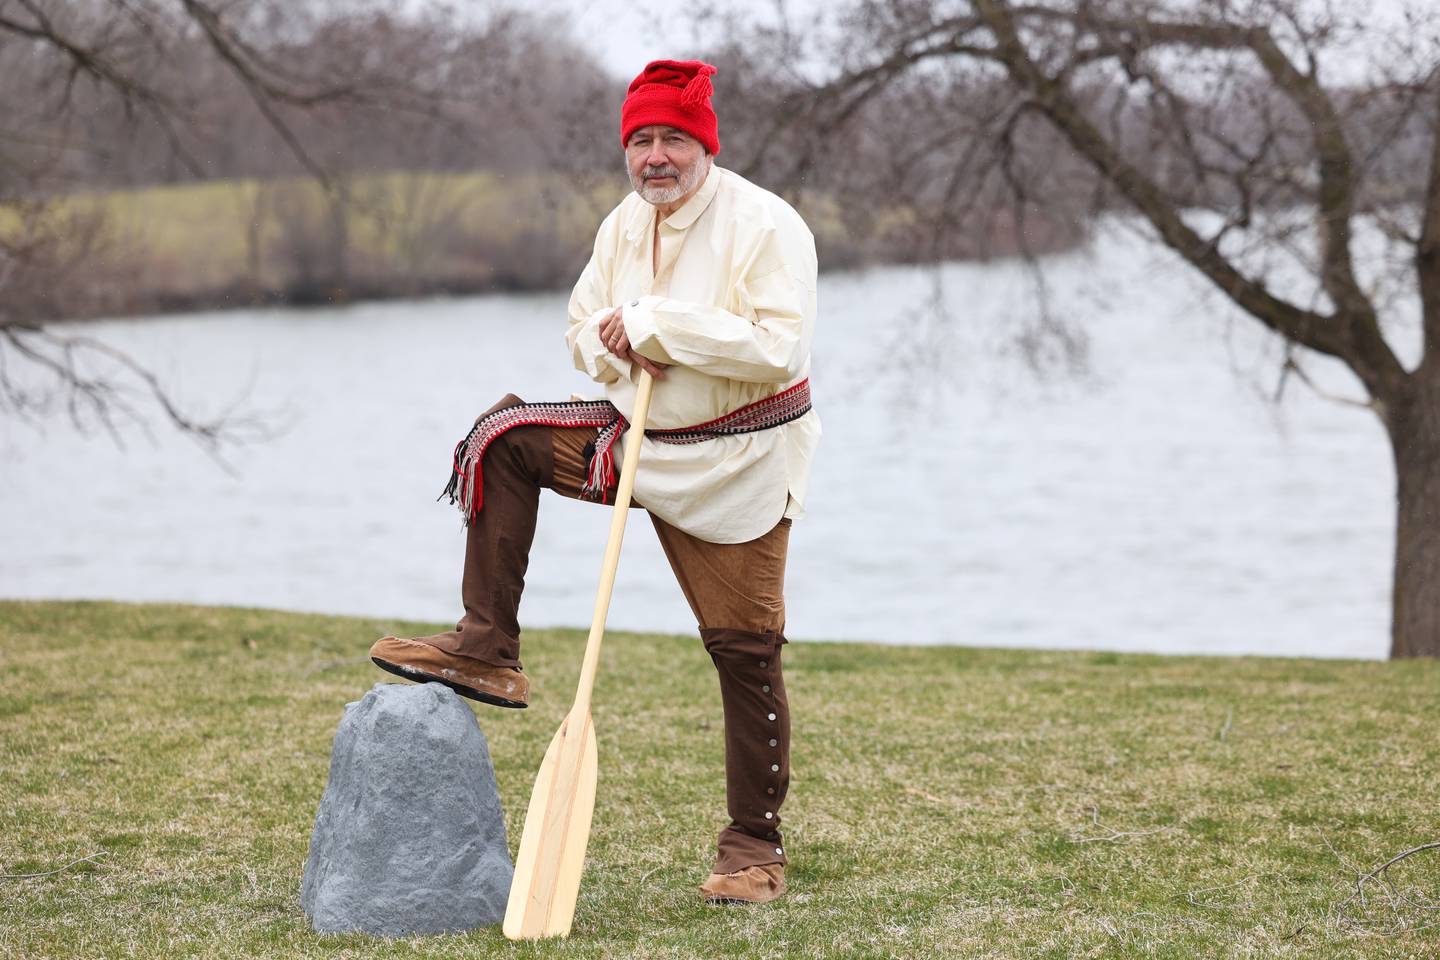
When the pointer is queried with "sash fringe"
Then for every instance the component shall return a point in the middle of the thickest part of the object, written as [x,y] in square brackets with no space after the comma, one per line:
[465,488]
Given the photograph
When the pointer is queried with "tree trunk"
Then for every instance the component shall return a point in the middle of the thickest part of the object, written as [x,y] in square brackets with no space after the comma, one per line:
[1414,426]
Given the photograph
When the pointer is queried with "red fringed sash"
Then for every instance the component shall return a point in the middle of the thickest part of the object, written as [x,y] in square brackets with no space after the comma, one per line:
[464,488]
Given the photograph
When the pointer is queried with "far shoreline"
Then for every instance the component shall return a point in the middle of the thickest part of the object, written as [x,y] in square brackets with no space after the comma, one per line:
[385,623]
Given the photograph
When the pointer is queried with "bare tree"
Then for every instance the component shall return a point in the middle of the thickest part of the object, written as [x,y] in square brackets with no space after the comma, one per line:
[1231,129]
[100,93]
[71,59]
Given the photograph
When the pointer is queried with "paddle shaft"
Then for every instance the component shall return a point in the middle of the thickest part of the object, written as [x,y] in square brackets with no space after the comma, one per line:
[548,867]
[612,547]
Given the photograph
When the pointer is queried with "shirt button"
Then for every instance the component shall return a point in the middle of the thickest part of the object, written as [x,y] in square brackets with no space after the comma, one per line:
[634,303]
[770,790]
[763,664]
[779,852]
[769,815]
[766,688]
[774,742]
[774,768]
[772,716]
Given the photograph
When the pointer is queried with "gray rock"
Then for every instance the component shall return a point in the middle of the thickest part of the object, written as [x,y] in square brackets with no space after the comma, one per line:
[409,837]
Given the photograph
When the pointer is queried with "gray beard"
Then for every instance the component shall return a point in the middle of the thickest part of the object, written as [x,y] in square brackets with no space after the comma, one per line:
[684,183]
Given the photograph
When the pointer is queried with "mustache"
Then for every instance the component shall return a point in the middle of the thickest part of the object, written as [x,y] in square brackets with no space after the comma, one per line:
[652,173]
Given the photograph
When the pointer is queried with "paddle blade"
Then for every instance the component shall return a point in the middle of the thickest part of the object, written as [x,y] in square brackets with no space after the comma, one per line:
[557,830]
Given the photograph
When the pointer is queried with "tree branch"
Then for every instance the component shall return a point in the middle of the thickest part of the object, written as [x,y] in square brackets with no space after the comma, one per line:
[1336,200]
[104,397]
[261,93]
[1313,330]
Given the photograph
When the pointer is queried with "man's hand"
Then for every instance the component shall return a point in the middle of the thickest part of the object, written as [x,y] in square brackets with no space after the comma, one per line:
[612,334]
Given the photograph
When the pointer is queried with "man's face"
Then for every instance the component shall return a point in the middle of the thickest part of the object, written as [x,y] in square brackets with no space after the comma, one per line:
[665,164]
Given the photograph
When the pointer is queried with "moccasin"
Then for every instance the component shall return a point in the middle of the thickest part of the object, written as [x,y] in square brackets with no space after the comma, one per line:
[413,660]
[757,884]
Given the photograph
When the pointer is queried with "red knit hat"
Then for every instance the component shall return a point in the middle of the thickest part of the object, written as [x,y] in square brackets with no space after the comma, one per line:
[675,93]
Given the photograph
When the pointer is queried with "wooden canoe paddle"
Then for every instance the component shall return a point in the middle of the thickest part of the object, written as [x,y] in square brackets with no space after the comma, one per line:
[557,825]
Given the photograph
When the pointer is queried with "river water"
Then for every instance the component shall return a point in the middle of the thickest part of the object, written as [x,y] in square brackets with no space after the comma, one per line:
[1158,501]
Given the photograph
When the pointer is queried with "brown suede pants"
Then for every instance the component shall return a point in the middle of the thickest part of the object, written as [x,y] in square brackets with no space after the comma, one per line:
[736,591]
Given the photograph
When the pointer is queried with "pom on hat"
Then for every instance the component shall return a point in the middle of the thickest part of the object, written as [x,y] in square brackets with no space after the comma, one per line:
[672,93]
[699,89]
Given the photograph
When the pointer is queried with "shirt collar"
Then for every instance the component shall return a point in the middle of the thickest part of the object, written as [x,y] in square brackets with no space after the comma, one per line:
[643,216]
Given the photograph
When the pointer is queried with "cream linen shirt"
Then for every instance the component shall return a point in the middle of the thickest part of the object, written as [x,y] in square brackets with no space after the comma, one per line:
[732,306]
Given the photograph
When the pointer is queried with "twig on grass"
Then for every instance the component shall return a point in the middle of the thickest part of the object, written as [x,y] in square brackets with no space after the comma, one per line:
[1111,838]
[47,873]
[1338,855]
[1396,900]
[1382,874]
[932,798]
[1225,727]
[1118,835]
[1190,895]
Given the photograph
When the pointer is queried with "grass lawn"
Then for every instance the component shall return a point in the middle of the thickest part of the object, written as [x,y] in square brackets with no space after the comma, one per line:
[944,801]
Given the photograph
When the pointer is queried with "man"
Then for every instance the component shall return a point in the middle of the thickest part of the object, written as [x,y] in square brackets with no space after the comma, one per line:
[708,282]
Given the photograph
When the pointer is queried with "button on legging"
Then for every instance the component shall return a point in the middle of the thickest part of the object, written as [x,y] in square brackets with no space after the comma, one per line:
[757,745]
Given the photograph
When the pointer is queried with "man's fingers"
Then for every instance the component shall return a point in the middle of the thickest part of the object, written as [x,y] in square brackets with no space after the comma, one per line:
[612,334]
[611,323]
[657,371]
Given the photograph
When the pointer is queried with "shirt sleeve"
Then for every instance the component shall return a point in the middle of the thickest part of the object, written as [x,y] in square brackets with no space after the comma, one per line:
[589,303]
[770,344]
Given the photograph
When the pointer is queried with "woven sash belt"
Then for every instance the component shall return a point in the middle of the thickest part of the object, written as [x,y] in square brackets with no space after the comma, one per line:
[464,488]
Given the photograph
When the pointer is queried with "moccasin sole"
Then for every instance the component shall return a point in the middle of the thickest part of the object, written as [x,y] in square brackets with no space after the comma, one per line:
[420,676]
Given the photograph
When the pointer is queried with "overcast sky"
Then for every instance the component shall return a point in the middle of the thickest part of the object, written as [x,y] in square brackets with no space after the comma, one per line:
[627,34]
